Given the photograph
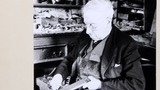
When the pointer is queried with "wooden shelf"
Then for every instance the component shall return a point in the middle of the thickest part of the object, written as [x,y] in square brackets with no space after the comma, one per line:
[139,8]
[56,34]
[57,6]
[148,65]
[49,46]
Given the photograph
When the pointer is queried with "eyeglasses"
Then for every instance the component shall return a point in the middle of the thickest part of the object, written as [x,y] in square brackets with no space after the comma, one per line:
[91,26]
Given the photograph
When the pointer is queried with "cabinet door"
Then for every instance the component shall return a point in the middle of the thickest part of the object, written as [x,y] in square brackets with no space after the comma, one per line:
[49,53]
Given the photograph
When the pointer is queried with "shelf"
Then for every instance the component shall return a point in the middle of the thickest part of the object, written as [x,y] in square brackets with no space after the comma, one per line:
[146,45]
[133,1]
[57,6]
[139,8]
[148,65]
[55,34]
[49,46]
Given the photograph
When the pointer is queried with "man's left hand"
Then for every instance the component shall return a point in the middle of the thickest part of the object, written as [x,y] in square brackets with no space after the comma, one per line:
[93,84]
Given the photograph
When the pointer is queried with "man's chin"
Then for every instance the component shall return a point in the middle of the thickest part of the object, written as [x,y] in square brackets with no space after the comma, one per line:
[93,38]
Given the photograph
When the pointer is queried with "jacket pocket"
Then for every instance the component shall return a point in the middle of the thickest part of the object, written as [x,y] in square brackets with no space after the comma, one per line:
[114,71]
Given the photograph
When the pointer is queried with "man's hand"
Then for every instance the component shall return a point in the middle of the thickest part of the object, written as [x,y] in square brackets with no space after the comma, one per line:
[93,84]
[56,82]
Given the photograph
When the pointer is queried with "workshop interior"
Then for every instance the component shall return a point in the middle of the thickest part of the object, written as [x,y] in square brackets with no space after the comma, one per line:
[58,23]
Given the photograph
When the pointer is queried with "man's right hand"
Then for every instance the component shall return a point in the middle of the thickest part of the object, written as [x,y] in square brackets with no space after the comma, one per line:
[56,81]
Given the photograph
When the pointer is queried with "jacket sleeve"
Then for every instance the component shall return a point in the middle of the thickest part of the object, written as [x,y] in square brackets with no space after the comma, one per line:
[65,66]
[132,77]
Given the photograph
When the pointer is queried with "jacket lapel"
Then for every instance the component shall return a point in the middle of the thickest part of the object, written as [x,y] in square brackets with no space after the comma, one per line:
[108,53]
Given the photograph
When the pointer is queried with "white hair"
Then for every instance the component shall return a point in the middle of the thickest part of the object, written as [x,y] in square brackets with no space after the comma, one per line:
[103,7]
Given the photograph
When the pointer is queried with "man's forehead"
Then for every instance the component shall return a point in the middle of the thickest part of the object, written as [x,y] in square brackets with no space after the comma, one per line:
[96,13]
[93,17]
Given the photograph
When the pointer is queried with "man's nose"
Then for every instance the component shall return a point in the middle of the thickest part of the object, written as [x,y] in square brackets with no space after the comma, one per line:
[88,31]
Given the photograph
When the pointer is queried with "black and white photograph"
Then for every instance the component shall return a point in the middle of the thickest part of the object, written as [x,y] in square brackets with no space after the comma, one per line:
[94,44]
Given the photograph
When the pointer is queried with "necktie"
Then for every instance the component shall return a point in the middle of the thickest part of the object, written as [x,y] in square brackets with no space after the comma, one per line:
[96,43]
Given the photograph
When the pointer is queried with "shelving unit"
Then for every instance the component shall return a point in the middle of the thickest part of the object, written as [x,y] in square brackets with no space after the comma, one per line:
[51,47]
[55,24]
[130,15]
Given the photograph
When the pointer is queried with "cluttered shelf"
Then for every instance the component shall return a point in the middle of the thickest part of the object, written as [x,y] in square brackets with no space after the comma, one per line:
[125,25]
[146,40]
[143,38]
[52,19]
[130,17]
[57,6]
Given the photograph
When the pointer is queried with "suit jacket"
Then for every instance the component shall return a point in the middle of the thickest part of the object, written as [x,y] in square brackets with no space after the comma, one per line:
[120,67]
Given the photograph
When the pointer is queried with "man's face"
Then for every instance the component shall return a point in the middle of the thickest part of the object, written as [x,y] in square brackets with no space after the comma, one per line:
[97,25]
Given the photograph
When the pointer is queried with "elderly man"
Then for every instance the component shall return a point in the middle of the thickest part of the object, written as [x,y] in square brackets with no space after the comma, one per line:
[105,55]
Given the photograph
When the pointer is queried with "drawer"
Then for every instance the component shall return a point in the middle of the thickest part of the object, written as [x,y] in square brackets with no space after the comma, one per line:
[49,53]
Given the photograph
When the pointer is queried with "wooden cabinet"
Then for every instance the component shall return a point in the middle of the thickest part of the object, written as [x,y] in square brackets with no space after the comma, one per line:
[56,26]
[53,47]
[49,51]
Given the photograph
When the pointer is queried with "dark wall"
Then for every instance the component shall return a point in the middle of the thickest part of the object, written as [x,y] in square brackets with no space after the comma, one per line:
[150,6]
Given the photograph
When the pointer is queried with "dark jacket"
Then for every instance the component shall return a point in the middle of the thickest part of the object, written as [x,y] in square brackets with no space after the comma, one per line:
[120,62]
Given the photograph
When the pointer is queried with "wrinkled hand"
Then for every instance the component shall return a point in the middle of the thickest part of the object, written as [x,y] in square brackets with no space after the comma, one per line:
[93,84]
[56,82]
